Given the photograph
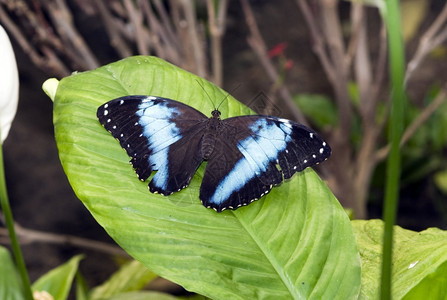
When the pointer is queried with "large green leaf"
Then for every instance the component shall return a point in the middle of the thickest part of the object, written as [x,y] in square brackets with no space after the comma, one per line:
[295,243]
[58,281]
[419,261]
[10,284]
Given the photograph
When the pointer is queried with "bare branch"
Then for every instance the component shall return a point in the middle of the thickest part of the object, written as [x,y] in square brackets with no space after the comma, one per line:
[441,97]
[217,29]
[63,21]
[429,40]
[257,44]
[362,67]
[164,44]
[193,35]
[49,61]
[28,236]
[166,22]
[381,64]
[116,40]
[317,37]
[136,19]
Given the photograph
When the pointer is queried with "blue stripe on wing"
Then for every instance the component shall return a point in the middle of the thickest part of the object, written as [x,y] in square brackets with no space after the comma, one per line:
[161,132]
[259,150]
[266,150]
[151,129]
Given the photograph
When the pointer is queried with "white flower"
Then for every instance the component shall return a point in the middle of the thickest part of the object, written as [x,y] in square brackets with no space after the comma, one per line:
[9,84]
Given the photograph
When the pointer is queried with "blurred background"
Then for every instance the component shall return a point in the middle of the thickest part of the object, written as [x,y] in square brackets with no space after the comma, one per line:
[322,63]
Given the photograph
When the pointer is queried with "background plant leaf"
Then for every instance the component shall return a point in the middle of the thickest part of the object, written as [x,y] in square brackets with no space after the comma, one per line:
[420,261]
[295,243]
[58,281]
[10,285]
[142,295]
[132,276]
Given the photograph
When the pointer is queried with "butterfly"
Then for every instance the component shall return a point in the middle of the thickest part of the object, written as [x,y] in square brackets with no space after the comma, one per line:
[246,155]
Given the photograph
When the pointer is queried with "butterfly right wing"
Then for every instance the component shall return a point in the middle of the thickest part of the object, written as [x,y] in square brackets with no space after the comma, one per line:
[254,154]
[157,133]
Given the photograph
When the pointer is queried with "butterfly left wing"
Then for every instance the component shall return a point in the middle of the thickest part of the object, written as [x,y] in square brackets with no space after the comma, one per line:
[158,134]
[255,153]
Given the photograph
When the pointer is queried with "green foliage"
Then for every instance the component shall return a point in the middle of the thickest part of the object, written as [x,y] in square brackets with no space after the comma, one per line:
[424,153]
[319,109]
[132,276]
[58,281]
[296,242]
[10,284]
[142,295]
[419,261]
[441,181]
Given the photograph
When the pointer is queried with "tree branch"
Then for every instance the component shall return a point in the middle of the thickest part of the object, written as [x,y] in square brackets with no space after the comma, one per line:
[217,30]
[257,44]
[429,40]
[29,236]
[416,124]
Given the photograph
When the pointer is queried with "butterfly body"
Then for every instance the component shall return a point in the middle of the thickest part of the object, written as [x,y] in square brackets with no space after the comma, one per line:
[210,135]
[246,156]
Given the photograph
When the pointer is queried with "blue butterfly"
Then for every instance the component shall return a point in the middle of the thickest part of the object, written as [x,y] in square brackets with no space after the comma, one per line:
[246,156]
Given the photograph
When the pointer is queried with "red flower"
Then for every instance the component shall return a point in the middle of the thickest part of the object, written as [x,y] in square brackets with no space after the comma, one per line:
[277,50]
[288,64]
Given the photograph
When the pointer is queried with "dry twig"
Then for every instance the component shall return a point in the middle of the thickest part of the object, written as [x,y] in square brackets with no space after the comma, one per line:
[433,37]
[29,236]
[257,44]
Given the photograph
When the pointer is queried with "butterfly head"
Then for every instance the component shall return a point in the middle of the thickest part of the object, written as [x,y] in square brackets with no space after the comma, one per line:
[216,114]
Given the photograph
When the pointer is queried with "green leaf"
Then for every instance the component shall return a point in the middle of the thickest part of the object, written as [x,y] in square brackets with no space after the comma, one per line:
[419,261]
[132,276]
[81,287]
[142,296]
[318,108]
[10,285]
[296,242]
[58,281]
[441,180]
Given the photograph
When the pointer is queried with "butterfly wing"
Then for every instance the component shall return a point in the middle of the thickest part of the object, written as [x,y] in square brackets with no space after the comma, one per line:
[158,134]
[255,153]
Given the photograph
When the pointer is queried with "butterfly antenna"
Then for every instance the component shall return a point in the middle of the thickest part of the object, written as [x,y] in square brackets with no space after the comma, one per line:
[228,94]
[203,88]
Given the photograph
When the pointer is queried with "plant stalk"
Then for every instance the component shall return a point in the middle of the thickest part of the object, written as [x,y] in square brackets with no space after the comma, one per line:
[397,74]
[6,208]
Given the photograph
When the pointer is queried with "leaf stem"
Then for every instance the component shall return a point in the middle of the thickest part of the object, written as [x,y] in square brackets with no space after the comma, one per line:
[397,71]
[6,208]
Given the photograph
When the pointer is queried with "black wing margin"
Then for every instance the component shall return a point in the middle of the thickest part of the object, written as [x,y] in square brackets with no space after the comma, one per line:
[257,153]
[154,132]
